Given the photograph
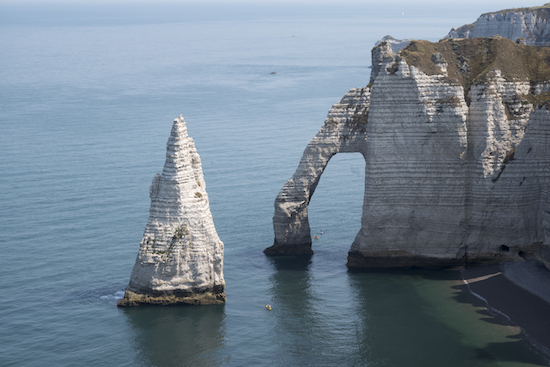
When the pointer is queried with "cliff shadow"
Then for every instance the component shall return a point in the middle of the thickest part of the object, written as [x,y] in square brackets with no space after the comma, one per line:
[178,336]
[401,312]
[292,300]
[500,301]
[313,325]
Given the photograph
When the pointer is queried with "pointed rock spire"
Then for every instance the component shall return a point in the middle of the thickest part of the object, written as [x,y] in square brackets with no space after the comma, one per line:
[180,259]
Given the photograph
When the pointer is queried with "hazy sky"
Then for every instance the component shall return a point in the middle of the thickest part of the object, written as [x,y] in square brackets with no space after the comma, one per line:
[497,4]
[30,11]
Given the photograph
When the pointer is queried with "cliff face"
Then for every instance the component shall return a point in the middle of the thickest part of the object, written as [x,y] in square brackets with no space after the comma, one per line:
[180,258]
[531,24]
[344,130]
[455,137]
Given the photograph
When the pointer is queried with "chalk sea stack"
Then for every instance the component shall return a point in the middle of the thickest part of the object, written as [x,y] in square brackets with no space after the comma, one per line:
[456,141]
[180,259]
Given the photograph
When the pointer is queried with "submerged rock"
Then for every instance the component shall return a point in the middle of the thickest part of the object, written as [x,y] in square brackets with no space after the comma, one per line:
[456,141]
[180,259]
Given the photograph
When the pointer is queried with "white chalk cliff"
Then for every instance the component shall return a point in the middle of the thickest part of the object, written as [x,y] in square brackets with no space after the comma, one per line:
[396,45]
[527,24]
[456,141]
[180,258]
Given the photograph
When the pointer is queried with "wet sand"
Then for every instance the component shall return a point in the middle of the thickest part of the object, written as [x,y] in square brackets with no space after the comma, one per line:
[521,291]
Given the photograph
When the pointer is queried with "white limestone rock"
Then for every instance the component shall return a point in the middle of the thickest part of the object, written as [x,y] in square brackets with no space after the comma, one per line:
[180,259]
[396,45]
[451,178]
[344,130]
[527,25]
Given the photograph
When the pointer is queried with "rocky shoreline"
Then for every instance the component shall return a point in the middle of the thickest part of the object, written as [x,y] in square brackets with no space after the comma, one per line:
[520,291]
[192,297]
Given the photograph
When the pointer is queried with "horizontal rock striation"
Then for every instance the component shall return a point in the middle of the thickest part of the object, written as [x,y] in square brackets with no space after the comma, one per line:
[456,138]
[529,25]
[180,259]
[344,130]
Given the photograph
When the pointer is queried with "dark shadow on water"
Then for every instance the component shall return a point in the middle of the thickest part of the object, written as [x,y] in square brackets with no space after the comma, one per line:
[512,351]
[522,350]
[313,327]
[398,324]
[439,274]
[297,263]
[178,335]
[292,300]
[400,327]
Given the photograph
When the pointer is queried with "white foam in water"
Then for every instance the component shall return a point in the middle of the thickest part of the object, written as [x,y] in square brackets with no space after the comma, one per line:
[113,297]
[487,305]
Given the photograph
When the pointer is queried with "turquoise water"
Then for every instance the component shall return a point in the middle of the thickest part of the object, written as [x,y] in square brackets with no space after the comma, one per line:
[88,96]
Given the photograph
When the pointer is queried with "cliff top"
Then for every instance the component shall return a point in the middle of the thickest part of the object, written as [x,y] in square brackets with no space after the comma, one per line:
[533,35]
[543,10]
[470,60]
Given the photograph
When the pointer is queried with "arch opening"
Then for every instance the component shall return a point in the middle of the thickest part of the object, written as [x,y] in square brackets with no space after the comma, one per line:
[336,205]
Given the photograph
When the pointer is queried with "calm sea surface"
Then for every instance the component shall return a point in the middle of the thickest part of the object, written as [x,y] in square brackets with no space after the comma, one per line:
[87,99]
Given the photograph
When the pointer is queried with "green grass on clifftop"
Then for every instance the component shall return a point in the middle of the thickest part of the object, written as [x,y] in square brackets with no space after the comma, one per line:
[469,61]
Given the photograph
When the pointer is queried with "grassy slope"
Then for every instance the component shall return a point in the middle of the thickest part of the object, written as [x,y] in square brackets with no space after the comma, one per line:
[470,60]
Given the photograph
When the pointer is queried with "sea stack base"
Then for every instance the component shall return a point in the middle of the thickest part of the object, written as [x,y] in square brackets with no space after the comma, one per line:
[405,259]
[398,259]
[180,258]
[132,299]
[284,250]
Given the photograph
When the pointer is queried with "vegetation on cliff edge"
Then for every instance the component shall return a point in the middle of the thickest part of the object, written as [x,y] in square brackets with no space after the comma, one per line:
[469,61]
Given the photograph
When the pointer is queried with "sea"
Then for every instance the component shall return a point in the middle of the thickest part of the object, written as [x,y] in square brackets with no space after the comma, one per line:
[88,94]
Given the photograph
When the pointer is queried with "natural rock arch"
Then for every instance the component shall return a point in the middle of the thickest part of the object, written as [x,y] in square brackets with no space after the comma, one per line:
[344,131]
[453,176]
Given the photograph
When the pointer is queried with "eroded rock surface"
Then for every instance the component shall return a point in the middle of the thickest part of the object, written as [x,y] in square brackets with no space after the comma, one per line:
[528,25]
[344,130]
[456,141]
[180,259]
